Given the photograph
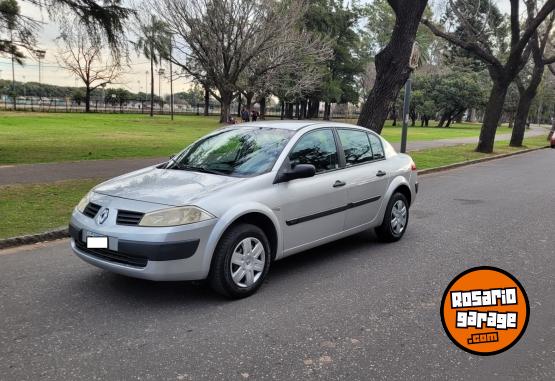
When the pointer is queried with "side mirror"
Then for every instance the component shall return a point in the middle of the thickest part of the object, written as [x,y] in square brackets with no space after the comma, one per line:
[301,171]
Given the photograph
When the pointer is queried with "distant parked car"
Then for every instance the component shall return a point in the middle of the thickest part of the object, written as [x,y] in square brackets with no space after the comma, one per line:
[236,200]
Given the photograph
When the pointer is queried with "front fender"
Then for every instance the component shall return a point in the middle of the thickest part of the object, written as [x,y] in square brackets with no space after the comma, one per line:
[229,218]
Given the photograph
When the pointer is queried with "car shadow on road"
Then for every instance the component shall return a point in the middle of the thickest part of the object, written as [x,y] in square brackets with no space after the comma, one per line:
[307,264]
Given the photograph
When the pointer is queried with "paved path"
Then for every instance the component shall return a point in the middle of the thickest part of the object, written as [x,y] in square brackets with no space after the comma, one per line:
[352,310]
[48,172]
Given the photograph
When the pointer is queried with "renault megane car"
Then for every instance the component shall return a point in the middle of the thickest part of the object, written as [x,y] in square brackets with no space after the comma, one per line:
[238,199]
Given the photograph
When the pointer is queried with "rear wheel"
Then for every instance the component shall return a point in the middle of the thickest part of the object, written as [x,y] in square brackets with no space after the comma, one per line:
[241,261]
[395,220]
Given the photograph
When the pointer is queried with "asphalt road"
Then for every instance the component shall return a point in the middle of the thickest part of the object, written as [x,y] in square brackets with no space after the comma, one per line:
[353,310]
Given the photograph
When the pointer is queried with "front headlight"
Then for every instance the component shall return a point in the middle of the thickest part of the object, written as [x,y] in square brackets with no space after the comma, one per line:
[84,202]
[175,216]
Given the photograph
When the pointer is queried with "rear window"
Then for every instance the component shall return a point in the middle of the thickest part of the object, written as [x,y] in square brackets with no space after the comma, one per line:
[356,146]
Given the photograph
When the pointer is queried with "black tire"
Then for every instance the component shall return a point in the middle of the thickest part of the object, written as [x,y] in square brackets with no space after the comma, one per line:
[385,231]
[220,277]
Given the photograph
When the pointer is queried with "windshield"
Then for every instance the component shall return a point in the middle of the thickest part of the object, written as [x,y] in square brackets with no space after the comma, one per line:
[244,151]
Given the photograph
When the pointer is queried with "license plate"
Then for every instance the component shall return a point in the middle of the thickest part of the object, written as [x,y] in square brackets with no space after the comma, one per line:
[97,242]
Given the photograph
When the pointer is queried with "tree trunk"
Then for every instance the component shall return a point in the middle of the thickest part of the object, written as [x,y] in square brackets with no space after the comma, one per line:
[87,99]
[282,116]
[394,116]
[304,105]
[327,111]
[392,64]
[512,118]
[313,108]
[297,111]
[442,120]
[225,100]
[494,109]
[248,98]
[206,100]
[289,111]
[239,100]
[263,108]
[524,104]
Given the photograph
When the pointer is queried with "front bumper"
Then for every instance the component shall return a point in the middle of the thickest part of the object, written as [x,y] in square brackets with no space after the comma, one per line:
[137,253]
[164,254]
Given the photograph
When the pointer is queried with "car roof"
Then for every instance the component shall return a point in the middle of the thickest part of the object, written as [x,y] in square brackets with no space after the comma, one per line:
[296,125]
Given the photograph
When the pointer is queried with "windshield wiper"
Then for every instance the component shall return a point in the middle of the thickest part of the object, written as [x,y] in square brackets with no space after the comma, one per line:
[200,169]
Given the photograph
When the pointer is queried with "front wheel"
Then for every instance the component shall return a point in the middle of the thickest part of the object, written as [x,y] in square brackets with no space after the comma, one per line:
[395,220]
[241,261]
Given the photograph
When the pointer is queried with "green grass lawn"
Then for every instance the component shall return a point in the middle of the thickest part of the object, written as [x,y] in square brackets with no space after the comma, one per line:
[53,137]
[27,209]
[437,157]
[39,138]
[456,130]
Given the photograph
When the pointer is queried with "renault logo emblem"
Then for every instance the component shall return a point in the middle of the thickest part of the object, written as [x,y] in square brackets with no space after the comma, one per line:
[103,216]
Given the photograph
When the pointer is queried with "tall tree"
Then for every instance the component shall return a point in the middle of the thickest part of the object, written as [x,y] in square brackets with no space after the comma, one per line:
[215,40]
[154,43]
[477,41]
[338,23]
[81,54]
[392,63]
[530,78]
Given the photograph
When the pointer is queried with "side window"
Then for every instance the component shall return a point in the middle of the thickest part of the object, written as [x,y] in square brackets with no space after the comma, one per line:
[377,148]
[356,146]
[316,148]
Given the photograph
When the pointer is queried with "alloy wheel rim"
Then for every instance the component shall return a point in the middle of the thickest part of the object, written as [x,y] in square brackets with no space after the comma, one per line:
[247,262]
[398,217]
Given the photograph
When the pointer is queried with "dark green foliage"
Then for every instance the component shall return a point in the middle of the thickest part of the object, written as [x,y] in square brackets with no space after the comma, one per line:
[338,23]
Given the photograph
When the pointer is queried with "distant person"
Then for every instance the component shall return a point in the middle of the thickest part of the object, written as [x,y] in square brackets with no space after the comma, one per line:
[245,115]
[254,115]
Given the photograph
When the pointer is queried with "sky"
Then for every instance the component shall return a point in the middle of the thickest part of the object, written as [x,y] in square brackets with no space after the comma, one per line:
[134,78]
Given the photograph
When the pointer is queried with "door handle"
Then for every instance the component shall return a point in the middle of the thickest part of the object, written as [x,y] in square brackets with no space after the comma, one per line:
[381,174]
[339,183]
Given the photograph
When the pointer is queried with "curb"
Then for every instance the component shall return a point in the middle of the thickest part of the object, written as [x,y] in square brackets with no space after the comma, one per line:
[475,161]
[34,238]
[64,232]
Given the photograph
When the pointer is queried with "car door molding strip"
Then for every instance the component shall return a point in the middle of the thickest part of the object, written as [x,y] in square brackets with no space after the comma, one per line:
[329,212]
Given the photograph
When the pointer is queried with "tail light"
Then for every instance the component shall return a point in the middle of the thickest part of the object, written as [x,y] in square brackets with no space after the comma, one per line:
[412,166]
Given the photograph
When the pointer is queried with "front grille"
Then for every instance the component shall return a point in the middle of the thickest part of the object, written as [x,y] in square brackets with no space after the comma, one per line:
[111,256]
[91,210]
[129,218]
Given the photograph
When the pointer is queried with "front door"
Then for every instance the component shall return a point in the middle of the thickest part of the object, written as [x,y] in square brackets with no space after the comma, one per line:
[313,208]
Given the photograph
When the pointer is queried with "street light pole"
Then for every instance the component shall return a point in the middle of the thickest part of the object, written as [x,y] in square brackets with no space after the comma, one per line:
[406,105]
[40,56]
[13,82]
[171,80]
[161,72]
[413,64]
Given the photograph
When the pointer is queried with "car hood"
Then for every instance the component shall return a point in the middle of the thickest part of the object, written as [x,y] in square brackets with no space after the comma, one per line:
[165,186]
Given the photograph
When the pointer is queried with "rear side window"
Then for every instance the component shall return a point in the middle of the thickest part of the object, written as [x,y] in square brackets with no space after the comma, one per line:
[316,148]
[356,146]
[377,147]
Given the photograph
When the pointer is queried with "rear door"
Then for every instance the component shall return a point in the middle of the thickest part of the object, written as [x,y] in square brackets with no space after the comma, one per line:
[313,209]
[365,175]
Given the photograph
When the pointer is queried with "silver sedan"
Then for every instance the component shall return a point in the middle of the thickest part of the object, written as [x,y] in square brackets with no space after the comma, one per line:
[242,197]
